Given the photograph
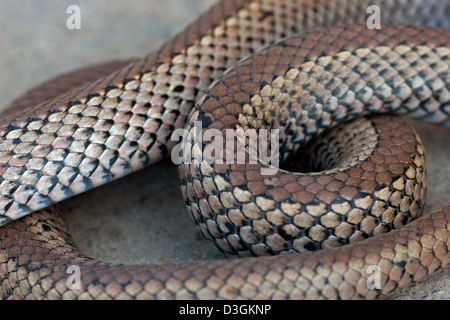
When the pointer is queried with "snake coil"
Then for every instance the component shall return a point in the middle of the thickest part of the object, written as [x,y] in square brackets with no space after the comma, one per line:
[368,173]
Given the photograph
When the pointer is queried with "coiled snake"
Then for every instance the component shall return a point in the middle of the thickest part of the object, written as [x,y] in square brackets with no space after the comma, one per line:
[369,175]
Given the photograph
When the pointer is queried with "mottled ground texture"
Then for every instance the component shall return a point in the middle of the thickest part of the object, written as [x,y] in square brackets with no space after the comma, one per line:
[141,218]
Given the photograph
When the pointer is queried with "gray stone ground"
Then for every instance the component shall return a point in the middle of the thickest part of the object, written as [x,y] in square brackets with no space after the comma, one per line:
[141,218]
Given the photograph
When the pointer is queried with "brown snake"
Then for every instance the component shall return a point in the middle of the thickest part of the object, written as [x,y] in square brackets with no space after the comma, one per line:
[372,171]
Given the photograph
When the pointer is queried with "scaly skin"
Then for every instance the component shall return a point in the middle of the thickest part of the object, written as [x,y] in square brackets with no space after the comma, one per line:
[120,123]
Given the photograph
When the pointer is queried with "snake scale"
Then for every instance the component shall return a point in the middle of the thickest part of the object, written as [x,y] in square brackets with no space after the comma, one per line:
[368,176]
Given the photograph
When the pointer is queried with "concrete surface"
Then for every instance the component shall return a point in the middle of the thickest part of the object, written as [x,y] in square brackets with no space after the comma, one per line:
[141,218]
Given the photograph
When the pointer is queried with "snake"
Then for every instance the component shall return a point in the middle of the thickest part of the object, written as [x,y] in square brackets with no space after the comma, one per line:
[352,175]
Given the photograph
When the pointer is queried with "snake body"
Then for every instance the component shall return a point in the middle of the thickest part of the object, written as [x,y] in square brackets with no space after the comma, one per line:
[301,86]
